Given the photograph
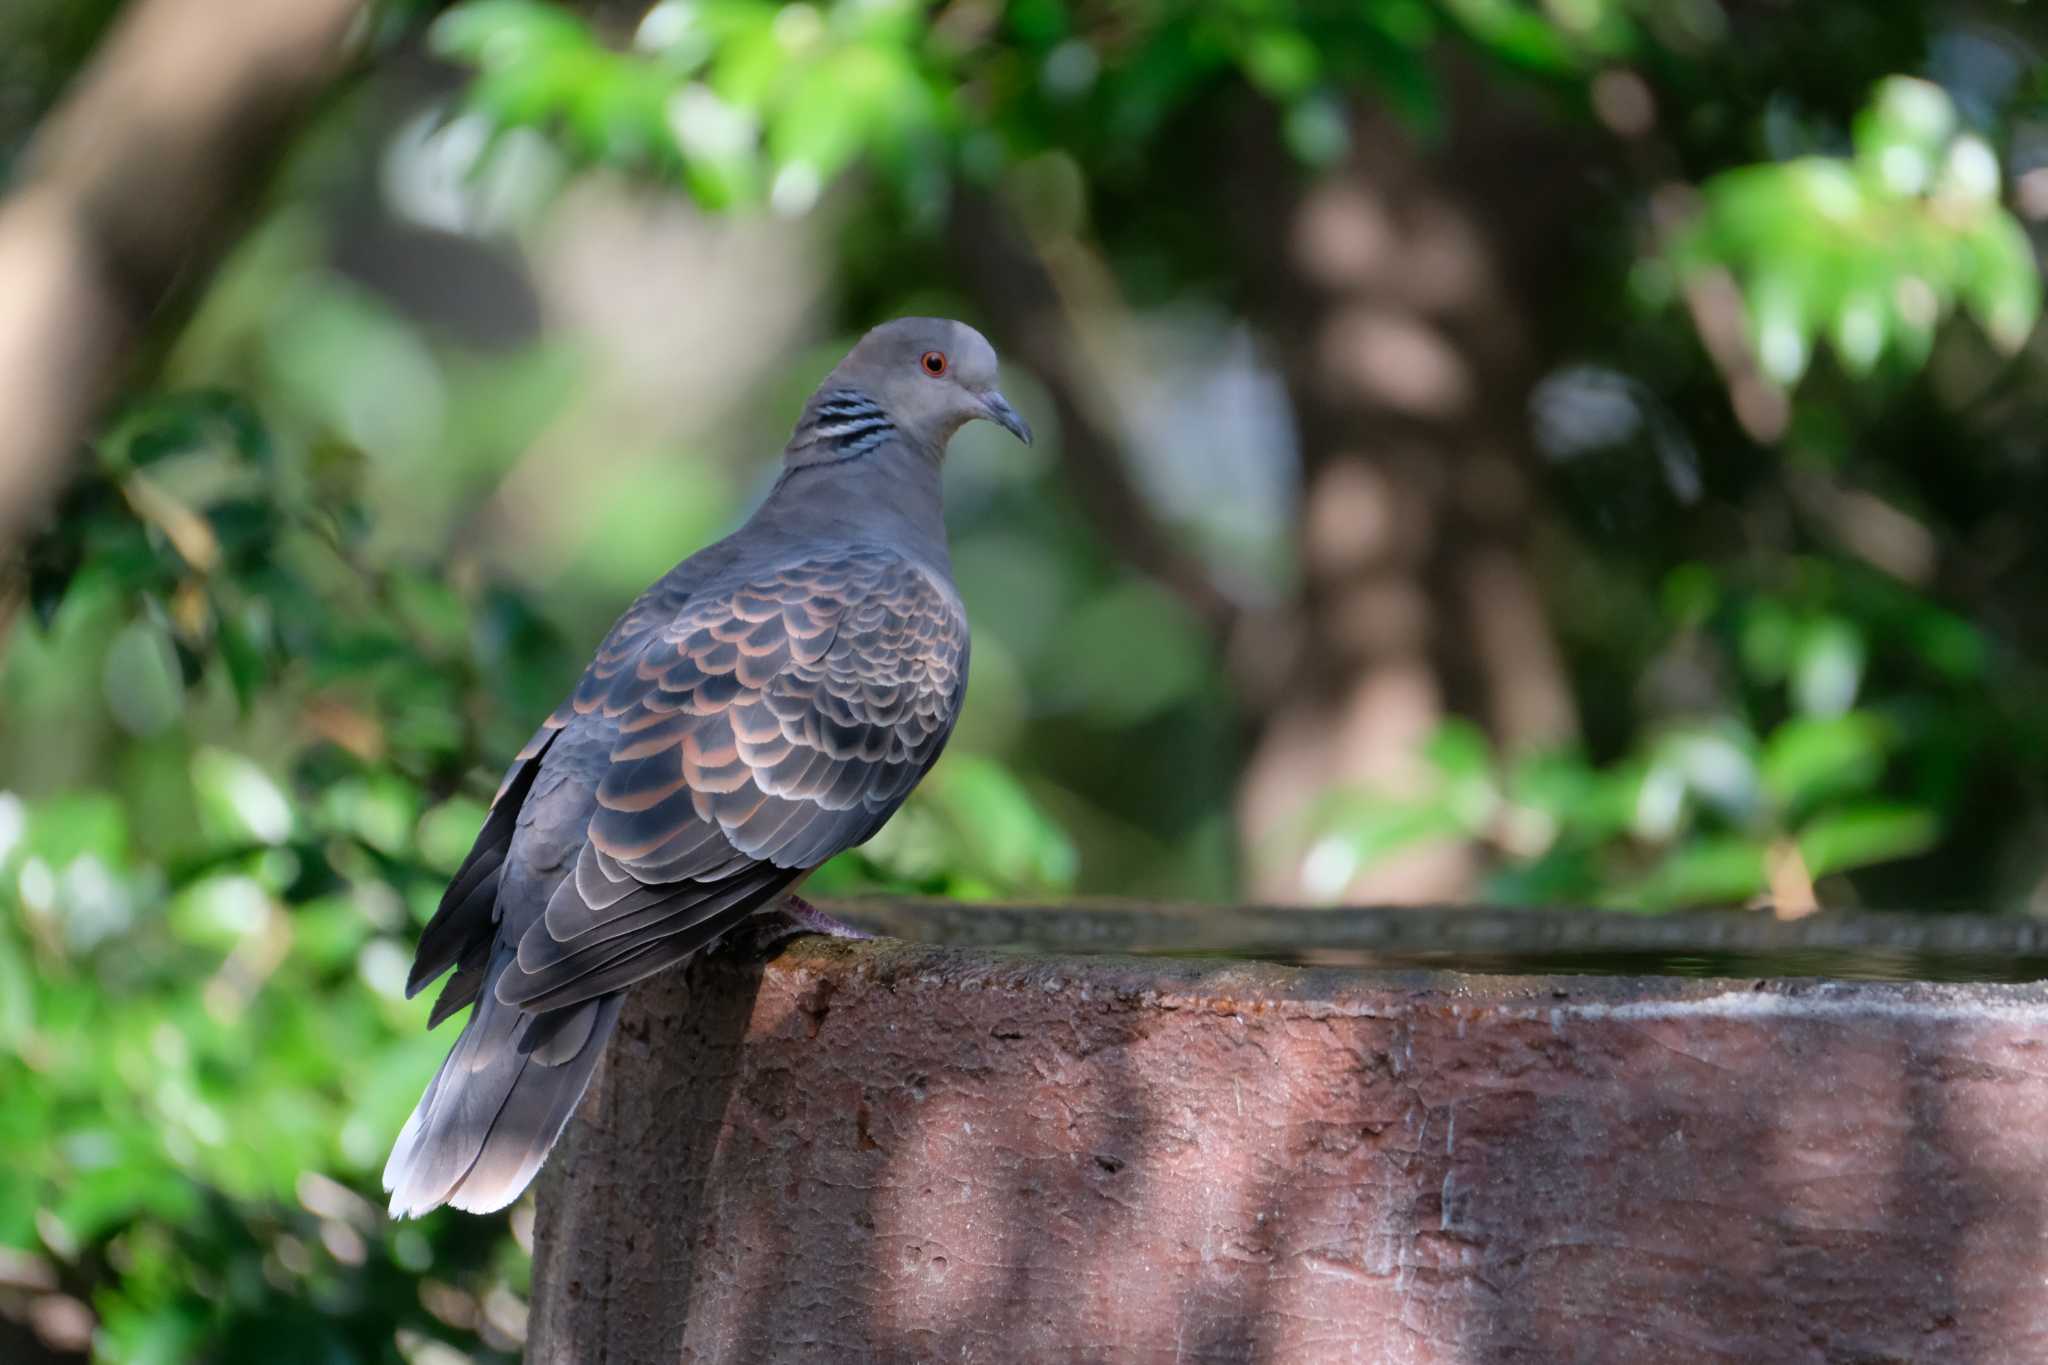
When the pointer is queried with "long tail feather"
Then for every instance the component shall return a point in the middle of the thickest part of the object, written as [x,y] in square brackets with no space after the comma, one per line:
[495,1108]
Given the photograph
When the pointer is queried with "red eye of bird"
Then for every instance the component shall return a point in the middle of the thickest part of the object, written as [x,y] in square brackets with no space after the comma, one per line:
[934,363]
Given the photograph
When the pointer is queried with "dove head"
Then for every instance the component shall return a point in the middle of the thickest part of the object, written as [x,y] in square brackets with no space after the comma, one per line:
[916,379]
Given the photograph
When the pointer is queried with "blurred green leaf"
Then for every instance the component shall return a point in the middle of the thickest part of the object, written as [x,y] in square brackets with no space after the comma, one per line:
[1515,32]
[1999,279]
[971,830]
[83,824]
[238,801]
[1858,835]
[1810,760]
[1582,801]
[144,688]
[1827,668]
[1353,832]
[1709,871]
[219,912]
[1902,132]
[1004,830]
[1126,654]
[447,831]
[1870,251]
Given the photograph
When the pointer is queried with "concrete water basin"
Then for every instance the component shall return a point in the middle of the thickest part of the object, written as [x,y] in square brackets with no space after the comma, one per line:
[1020,1147]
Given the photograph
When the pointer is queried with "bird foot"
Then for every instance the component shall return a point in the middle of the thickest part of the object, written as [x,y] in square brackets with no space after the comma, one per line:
[809,919]
[768,928]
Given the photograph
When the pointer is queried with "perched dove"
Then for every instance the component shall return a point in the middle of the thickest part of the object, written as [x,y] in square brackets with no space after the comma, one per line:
[765,705]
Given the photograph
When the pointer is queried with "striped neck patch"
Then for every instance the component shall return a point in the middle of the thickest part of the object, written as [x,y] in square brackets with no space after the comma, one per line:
[846,422]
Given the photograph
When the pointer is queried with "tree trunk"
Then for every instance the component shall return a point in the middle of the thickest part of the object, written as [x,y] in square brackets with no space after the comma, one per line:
[1403,321]
[1403,324]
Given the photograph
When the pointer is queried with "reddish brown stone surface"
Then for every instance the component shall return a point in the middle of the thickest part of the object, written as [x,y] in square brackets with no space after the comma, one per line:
[880,1152]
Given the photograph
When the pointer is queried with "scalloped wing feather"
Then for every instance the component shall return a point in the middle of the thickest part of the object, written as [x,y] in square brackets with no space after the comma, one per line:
[756,733]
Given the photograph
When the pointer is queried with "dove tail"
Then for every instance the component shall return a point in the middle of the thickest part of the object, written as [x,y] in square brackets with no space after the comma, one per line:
[495,1108]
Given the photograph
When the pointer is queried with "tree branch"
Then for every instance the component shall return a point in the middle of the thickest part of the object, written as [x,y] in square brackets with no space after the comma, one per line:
[1011,281]
[127,199]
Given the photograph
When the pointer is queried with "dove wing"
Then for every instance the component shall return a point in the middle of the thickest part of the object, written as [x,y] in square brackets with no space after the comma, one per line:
[752,736]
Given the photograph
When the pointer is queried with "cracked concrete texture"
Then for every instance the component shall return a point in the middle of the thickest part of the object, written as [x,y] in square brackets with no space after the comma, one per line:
[885,1152]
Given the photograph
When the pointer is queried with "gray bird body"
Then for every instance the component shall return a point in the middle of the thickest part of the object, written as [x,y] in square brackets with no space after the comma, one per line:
[766,704]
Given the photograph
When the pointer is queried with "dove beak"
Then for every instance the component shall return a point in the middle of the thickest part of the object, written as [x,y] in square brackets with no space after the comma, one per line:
[997,409]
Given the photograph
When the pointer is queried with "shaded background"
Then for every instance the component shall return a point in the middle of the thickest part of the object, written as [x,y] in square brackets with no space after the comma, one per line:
[1582,453]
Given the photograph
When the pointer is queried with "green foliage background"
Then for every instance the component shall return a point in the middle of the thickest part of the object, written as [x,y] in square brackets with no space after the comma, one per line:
[260,674]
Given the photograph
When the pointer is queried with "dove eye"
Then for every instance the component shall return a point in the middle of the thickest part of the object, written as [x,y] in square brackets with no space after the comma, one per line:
[934,363]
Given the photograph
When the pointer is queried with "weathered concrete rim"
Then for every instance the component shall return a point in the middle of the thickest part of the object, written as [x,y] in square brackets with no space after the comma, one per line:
[1102,925]
[1223,986]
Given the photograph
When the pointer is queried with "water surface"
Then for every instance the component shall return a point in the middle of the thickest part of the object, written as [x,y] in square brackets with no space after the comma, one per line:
[1737,944]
